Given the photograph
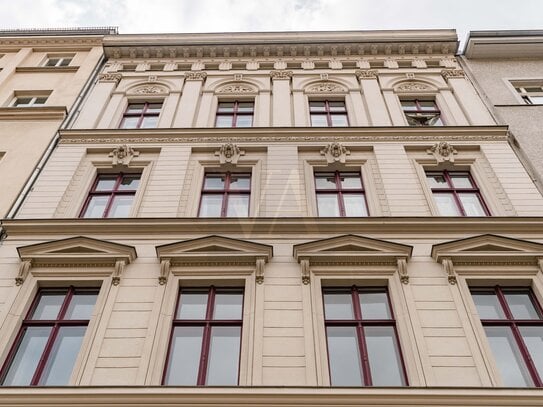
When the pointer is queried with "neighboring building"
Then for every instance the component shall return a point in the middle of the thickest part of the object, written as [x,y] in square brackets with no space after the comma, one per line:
[507,68]
[42,73]
[277,219]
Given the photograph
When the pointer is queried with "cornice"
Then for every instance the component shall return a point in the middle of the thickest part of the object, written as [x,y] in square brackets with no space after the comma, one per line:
[46,69]
[56,43]
[152,396]
[177,228]
[286,134]
[33,113]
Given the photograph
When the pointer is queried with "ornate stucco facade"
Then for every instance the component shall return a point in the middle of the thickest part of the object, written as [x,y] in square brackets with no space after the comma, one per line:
[282,254]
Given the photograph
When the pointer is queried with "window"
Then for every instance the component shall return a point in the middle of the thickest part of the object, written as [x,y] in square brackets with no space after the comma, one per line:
[225,195]
[235,114]
[456,194]
[206,338]
[48,343]
[361,336]
[513,323]
[340,194]
[58,61]
[29,101]
[141,116]
[328,113]
[532,95]
[421,112]
[111,196]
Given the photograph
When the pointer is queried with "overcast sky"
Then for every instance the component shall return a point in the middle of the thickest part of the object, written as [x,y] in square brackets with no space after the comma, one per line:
[159,16]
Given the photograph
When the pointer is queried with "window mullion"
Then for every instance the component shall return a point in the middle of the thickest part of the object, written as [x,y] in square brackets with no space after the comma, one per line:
[45,355]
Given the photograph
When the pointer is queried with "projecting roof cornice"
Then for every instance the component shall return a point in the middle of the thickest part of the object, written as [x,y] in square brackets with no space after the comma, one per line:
[53,42]
[522,44]
[286,134]
[283,44]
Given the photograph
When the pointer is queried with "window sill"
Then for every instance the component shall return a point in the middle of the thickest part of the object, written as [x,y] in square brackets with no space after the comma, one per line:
[48,69]
[33,113]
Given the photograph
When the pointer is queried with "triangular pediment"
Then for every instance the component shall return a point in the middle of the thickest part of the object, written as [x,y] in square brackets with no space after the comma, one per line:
[351,248]
[77,250]
[214,248]
[488,247]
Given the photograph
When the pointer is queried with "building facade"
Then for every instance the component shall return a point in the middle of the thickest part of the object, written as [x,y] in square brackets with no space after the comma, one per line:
[277,219]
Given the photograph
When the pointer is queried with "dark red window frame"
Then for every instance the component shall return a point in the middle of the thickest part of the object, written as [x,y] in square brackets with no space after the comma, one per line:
[359,323]
[420,110]
[455,191]
[208,323]
[227,191]
[142,115]
[514,324]
[329,113]
[236,112]
[339,191]
[112,193]
[56,324]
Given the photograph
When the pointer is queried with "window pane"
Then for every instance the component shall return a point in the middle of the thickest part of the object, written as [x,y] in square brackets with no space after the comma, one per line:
[149,122]
[228,305]
[472,204]
[337,106]
[238,206]
[184,360]
[435,120]
[533,89]
[327,205]
[488,306]
[446,205]
[96,207]
[106,182]
[222,368]
[350,181]
[65,61]
[245,107]
[224,121]
[244,120]
[129,183]
[154,108]
[60,363]
[339,120]
[533,338]
[226,107]
[121,206]
[338,306]
[408,105]
[374,305]
[355,205]
[211,206]
[52,62]
[427,105]
[22,101]
[325,181]
[192,305]
[214,182]
[240,182]
[344,357]
[81,306]
[536,100]
[461,181]
[135,108]
[130,123]
[40,101]
[48,306]
[319,120]
[28,355]
[317,106]
[384,356]
[521,306]
[508,358]
[437,181]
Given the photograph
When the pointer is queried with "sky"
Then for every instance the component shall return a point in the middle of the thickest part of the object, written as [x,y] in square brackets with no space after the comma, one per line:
[184,16]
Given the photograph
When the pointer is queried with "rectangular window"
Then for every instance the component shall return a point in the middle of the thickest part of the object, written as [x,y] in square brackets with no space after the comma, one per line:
[141,116]
[29,101]
[111,196]
[421,112]
[363,348]
[340,194]
[205,342]
[50,338]
[456,194]
[328,113]
[235,114]
[58,61]
[532,95]
[225,195]
[513,322]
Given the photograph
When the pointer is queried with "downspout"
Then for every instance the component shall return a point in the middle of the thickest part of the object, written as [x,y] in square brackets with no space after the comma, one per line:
[68,120]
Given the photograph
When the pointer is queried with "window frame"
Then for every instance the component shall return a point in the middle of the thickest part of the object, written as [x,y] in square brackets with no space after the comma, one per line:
[328,112]
[451,189]
[32,103]
[339,191]
[226,192]
[524,95]
[436,112]
[141,116]
[111,194]
[235,113]
[60,61]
